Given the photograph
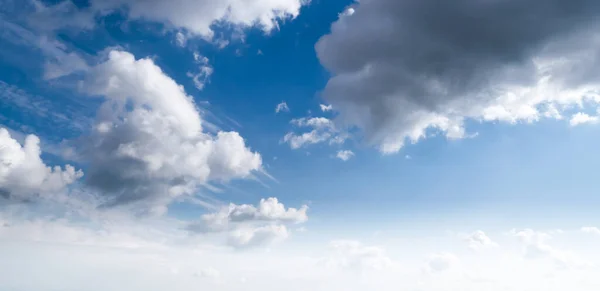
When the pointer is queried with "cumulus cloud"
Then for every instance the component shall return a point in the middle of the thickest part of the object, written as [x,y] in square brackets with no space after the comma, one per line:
[268,210]
[323,130]
[23,174]
[344,155]
[403,70]
[479,240]
[248,225]
[148,143]
[194,16]
[582,118]
[282,107]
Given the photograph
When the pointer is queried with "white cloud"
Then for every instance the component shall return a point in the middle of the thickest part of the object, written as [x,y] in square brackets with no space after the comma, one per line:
[326,108]
[479,240]
[194,16]
[148,143]
[323,130]
[582,118]
[202,77]
[268,210]
[591,229]
[198,16]
[282,107]
[23,174]
[344,155]
[247,225]
[348,12]
[180,39]
[441,261]
[385,83]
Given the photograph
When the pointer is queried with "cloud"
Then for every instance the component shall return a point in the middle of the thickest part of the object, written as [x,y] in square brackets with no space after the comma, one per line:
[247,225]
[323,130]
[23,174]
[148,144]
[180,39]
[404,70]
[325,108]
[268,211]
[582,118]
[344,155]
[205,71]
[441,261]
[64,14]
[591,229]
[59,60]
[479,240]
[198,17]
[282,107]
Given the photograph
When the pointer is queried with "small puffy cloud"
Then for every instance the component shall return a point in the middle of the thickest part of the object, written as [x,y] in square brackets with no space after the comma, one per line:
[344,155]
[441,261]
[248,225]
[202,77]
[314,122]
[348,12]
[148,144]
[591,229]
[268,210]
[282,107]
[582,118]
[323,130]
[23,174]
[180,39]
[479,240]
[326,108]
[354,255]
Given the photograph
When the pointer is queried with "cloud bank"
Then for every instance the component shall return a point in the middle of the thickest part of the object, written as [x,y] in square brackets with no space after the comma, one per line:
[403,70]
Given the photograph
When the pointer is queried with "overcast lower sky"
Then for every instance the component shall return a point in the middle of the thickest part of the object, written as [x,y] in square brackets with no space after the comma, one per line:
[425,145]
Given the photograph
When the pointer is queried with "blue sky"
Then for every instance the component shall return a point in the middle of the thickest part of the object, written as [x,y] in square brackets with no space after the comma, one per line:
[418,148]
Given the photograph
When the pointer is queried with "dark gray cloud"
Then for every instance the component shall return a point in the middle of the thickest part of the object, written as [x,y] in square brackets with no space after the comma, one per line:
[400,67]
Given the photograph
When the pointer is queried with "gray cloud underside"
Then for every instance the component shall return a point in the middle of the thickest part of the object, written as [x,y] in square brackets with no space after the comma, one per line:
[403,66]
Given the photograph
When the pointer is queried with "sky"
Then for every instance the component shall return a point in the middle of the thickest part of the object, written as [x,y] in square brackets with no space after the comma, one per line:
[419,145]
